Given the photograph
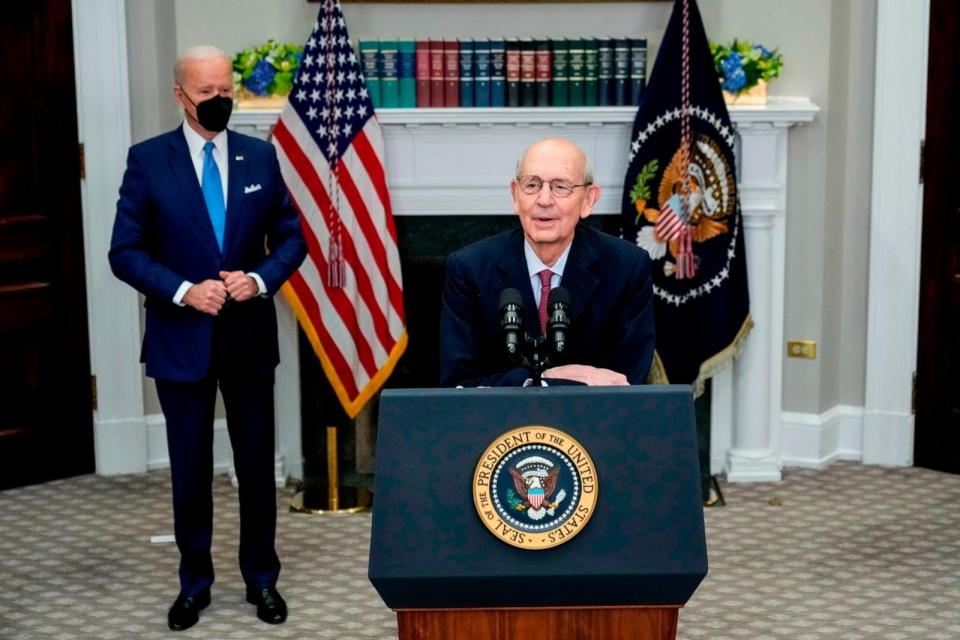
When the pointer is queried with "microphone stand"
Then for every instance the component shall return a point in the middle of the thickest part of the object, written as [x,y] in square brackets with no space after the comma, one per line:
[537,363]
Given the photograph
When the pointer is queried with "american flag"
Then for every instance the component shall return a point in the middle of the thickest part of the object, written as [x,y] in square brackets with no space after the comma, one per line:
[669,223]
[348,294]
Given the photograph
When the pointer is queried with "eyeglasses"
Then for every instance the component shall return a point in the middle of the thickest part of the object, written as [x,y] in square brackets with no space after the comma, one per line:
[531,185]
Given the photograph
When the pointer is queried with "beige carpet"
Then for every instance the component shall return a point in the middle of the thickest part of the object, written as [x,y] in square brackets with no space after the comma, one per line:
[852,552]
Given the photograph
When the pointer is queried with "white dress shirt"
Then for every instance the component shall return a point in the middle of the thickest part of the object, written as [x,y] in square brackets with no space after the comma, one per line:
[195,143]
[535,266]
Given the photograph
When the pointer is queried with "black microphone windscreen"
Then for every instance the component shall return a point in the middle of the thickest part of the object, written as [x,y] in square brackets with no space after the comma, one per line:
[511,297]
[558,296]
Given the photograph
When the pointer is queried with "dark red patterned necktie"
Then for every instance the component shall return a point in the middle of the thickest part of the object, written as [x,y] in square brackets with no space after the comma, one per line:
[544,295]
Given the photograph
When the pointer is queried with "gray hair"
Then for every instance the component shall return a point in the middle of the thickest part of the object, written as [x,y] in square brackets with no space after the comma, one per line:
[199,52]
[587,165]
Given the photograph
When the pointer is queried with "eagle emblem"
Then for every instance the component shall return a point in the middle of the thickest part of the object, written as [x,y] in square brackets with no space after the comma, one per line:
[673,227]
[535,487]
[535,480]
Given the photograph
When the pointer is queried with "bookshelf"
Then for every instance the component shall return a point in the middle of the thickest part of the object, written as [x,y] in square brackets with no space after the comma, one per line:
[449,162]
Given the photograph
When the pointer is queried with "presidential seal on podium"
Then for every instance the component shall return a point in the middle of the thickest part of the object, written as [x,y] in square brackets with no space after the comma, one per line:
[535,487]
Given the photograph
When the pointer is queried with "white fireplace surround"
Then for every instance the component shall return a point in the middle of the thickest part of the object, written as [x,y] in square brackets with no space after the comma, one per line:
[459,162]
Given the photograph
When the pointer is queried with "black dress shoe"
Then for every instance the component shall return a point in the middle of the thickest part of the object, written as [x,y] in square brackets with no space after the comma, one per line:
[186,610]
[270,606]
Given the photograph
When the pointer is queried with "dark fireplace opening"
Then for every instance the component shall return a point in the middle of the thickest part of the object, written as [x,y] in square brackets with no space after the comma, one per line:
[424,243]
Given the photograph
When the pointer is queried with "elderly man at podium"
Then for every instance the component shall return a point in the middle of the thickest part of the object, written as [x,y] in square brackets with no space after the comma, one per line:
[609,323]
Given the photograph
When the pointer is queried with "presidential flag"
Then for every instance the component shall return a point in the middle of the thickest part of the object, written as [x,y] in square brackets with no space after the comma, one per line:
[348,294]
[680,204]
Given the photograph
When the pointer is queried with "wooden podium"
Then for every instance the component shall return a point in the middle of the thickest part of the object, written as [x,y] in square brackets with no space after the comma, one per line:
[542,623]
[624,573]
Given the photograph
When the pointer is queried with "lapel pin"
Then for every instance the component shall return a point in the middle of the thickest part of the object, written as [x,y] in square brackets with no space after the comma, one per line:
[238,158]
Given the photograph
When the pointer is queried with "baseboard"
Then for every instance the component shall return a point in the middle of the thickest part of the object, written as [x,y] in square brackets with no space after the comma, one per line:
[815,441]
[888,438]
[120,446]
[159,458]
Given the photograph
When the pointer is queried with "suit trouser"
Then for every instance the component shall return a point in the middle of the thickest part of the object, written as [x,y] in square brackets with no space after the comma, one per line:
[188,408]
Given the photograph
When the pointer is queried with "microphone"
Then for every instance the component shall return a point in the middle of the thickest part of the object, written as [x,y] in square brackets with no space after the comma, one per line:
[557,319]
[511,319]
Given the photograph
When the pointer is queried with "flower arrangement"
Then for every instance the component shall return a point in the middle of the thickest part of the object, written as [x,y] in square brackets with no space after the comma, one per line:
[267,70]
[743,66]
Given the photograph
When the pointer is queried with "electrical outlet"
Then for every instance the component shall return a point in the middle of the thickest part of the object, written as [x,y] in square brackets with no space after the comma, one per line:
[802,349]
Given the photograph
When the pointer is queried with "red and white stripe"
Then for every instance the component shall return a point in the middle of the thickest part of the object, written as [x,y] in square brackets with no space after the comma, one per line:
[669,223]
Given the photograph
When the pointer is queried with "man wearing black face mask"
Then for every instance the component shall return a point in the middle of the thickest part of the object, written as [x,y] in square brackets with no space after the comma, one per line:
[206,231]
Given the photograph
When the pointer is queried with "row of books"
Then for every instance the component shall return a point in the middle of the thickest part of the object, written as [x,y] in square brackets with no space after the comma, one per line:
[522,72]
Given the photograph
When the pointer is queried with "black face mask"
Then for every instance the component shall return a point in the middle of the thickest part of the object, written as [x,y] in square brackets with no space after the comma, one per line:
[213,113]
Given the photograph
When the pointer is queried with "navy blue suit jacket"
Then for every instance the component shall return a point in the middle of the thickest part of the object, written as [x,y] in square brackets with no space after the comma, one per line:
[611,308]
[162,236]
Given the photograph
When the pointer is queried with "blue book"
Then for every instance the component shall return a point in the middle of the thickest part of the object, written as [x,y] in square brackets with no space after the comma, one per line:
[498,73]
[576,68]
[407,73]
[466,73]
[481,73]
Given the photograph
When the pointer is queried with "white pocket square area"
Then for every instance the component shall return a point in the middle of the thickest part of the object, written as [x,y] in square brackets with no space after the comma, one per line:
[251,188]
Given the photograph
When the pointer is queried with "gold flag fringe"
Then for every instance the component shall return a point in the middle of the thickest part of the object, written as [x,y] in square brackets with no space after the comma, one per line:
[710,366]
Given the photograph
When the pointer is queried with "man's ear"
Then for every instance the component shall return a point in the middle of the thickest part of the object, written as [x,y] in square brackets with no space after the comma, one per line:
[178,96]
[590,200]
[515,196]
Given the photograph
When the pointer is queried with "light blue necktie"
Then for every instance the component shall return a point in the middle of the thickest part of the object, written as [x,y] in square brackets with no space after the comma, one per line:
[213,193]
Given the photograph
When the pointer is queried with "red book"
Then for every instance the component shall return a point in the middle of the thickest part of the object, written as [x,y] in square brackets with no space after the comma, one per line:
[436,73]
[528,73]
[423,73]
[513,73]
[451,66]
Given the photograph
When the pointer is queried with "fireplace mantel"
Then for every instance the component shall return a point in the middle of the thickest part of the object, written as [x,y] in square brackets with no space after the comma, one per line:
[449,162]
[459,161]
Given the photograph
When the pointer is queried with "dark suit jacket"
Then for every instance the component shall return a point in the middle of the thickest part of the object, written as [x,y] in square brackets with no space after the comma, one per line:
[611,308]
[162,236]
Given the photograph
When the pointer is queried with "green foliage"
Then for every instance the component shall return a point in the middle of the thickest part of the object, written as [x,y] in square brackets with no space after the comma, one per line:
[513,499]
[641,189]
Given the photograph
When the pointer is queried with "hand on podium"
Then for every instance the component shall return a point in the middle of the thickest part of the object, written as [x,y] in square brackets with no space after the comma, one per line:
[590,376]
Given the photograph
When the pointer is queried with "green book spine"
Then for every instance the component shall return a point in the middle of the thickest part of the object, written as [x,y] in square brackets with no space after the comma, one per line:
[389,78]
[576,72]
[369,55]
[407,50]
[561,73]
[638,68]
[590,72]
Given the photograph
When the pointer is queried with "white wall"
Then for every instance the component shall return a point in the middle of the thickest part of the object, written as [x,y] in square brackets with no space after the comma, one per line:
[828,48]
